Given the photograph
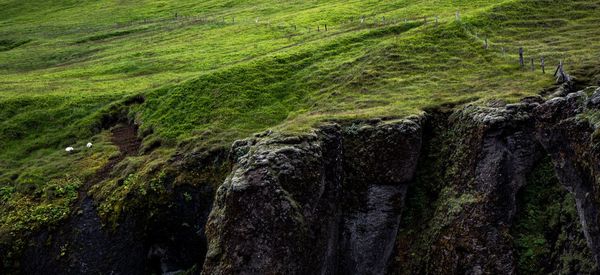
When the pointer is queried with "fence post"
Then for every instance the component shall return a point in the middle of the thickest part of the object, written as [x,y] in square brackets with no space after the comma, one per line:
[457,15]
[561,76]
[318,28]
[325,27]
[437,18]
[532,65]
[485,44]
[543,63]
[521,61]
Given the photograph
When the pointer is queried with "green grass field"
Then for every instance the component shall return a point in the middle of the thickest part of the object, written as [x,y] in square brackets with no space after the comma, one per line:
[215,71]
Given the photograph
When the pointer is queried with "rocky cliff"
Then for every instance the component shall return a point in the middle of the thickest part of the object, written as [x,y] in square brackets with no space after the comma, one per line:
[333,201]
[496,189]
[329,202]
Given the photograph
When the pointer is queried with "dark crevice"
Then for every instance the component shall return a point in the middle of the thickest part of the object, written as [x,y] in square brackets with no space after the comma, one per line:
[547,233]
[422,194]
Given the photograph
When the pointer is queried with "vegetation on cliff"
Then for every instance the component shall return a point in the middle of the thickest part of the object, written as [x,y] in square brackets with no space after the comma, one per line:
[547,230]
[200,75]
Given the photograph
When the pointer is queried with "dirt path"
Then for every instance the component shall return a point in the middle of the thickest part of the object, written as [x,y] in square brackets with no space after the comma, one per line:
[88,230]
[83,243]
[123,136]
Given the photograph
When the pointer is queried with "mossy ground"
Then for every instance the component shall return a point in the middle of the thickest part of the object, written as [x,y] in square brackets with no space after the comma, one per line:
[206,81]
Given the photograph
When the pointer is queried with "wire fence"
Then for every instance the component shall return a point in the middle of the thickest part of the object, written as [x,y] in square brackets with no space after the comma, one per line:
[353,23]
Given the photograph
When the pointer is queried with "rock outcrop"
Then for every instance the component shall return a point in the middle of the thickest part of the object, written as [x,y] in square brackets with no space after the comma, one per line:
[568,130]
[331,202]
[494,151]
[327,203]
[441,193]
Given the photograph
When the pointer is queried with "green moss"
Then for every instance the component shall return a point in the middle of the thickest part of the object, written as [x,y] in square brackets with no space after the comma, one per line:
[547,232]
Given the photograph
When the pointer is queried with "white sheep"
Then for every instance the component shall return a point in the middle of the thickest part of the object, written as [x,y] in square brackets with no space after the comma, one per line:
[88,145]
[69,149]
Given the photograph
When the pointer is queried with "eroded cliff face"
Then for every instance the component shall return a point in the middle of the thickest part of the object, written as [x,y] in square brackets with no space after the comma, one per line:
[163,234]
[497,189]
[492,150]
[328,202]
[333,201]
[567,131]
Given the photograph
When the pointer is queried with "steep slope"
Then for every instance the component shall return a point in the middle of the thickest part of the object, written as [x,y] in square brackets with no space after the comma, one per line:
[195,77]
[332,201]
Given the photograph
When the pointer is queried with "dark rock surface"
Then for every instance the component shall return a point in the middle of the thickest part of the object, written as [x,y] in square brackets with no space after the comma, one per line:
[435,194]
[570,137]
[379,163]
[160,234]
[331,202]
[492,152]
[497,151]
[320,203]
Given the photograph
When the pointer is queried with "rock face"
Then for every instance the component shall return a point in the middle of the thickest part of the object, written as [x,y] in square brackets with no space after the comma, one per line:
[495,150]
[333,202]
[163,234]
[450,192]
[566,130]
[317,204]
[379,162]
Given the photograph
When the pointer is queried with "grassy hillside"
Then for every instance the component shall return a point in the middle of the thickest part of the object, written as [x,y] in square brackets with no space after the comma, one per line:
[214,71]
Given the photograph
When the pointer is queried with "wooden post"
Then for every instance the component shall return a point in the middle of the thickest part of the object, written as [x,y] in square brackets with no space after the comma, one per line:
[521,60]
[437,18]
[383,20]
[294,27]
[318,28]
[457,15]
[532,65]
[543,63]
[485,44]
[325,27]
[503,51]
[561,76]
